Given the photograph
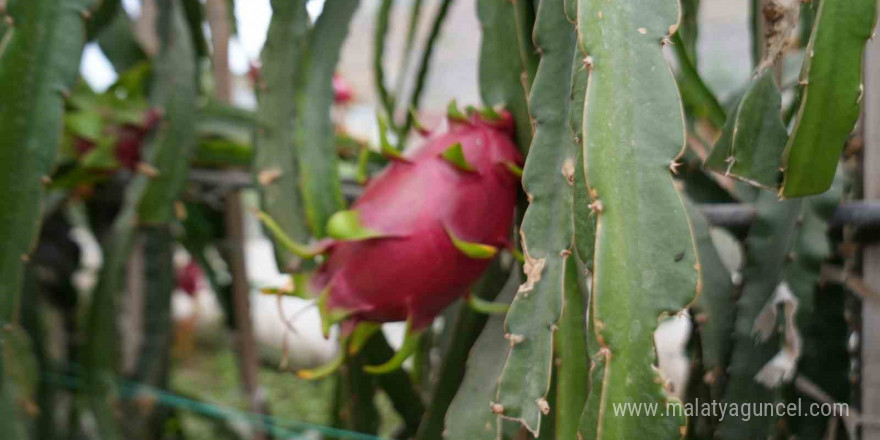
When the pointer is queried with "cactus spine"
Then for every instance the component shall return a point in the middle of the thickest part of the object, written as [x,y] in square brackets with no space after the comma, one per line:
[645,257]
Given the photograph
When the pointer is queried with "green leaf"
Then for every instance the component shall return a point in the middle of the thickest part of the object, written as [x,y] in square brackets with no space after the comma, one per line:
[751,144]
[547,230]
[346,225]
[832,93]
[645,257]
[39,59]
[455,156]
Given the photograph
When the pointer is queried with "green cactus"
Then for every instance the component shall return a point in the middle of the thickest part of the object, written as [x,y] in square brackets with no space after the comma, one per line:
[714,311]
[383,17]
[275,164]
[19,374]
[768,245]
[37,34]
[149,200]
[547,229]
[786,249]
[751,143]
[468,324]
[831,79]
[645,256]
[425,62]
[471,415]
[503,71]
[584,219]
[571,359]
[33,35]
[313,129]
[697,96]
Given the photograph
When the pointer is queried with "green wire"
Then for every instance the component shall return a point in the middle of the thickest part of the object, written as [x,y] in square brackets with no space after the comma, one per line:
[278,427]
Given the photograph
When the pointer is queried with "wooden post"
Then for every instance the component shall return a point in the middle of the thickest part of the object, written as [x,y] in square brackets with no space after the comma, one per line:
[871,254]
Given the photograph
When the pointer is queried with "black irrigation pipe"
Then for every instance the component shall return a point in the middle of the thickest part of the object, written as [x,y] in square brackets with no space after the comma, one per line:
[737,216]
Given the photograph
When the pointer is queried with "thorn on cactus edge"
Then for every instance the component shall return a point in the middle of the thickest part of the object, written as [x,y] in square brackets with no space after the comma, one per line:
[496,408]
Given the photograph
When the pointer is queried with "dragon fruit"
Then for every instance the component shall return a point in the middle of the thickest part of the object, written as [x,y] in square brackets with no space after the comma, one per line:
[427,227]
[420,234]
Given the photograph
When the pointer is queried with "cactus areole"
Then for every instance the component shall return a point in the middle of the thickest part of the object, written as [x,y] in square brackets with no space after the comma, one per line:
[424,229]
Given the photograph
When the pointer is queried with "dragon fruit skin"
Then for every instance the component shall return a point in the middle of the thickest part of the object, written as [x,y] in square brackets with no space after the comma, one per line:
[414,269]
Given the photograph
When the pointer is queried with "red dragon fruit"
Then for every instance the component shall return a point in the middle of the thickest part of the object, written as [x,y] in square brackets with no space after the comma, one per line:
[425,229]
[129,140]
[420,234]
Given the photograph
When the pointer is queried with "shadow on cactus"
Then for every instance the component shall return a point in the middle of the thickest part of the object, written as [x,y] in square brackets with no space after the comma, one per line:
[422,232]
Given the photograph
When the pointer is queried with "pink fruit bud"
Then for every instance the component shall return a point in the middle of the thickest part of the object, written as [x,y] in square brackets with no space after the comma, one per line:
[188,278]
[342,92]
[412,267]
